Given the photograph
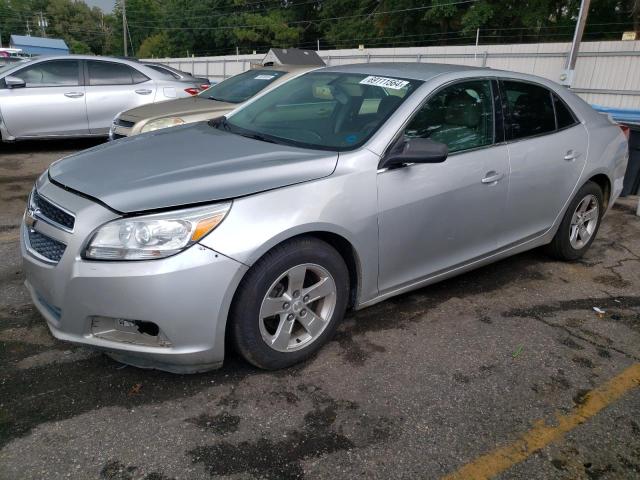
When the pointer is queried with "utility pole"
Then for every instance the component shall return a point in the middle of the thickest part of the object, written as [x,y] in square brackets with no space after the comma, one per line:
[43,24]
[318,43]
[570,65]
[28,29]
[124,28]
[475,53]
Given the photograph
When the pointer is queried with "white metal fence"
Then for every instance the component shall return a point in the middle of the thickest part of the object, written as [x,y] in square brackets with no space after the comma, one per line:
[607,73]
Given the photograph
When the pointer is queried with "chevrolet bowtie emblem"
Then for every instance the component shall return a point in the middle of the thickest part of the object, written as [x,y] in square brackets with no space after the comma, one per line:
[30,217]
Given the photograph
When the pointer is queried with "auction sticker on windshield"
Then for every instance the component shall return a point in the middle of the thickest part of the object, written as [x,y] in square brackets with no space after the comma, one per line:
[392,83]
[264,77]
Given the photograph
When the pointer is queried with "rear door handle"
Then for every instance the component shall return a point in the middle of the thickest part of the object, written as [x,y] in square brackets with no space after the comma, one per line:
[74,94]
[143,91]
[492,178]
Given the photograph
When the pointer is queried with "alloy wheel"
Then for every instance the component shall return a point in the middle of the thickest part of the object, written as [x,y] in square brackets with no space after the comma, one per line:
[584,222]
[297,307]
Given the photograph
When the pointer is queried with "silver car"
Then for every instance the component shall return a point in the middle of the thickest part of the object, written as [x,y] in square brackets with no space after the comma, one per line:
[341,188]
[202,82]
[78,96]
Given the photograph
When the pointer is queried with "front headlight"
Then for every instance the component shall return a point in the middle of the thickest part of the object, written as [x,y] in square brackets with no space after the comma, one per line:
[154,236]
[162,123]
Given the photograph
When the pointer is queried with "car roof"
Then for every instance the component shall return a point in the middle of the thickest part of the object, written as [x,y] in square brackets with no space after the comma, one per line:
[285,68]
[86,57]
[412,71]
[150,72]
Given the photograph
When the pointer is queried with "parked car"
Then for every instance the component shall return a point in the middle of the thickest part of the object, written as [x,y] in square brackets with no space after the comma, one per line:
[216,101]
[203,83]
[342,188]
[77,95]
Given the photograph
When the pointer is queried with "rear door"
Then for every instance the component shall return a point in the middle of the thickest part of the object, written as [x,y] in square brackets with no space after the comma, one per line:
[112,88]
[52,102]
[547,152]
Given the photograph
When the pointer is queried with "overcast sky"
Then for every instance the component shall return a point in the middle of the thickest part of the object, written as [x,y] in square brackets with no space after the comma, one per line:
[106,5]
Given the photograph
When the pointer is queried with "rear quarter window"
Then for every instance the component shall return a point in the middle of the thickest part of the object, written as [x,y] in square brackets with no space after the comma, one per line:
[564,115]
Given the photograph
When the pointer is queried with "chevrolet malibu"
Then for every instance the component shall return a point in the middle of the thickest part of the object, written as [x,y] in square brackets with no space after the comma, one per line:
[346,186]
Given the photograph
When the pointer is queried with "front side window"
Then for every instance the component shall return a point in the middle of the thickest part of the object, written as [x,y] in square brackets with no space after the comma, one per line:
[460,116]
[323,110]
[530,109]
[56,73]
[110,73]
[242,87]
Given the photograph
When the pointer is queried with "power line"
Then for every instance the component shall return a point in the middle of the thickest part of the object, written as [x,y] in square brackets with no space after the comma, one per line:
[297,22]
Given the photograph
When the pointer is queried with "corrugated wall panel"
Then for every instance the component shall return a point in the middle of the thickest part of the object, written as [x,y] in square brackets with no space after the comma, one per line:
[601,66]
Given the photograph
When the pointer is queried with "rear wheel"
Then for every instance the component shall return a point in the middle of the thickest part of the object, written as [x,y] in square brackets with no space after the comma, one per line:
[579,225]
[289,303]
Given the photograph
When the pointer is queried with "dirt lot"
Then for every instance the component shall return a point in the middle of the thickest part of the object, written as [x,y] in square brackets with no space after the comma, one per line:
[504,371]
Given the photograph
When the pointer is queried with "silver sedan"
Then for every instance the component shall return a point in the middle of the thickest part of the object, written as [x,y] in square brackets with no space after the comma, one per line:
[78,96]
[339,189]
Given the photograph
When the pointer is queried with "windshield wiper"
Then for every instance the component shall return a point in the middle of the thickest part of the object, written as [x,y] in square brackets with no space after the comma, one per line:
[257,136]
[221,123]
[211,97]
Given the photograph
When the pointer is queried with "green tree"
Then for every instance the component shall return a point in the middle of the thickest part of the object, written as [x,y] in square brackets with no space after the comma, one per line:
[157,45]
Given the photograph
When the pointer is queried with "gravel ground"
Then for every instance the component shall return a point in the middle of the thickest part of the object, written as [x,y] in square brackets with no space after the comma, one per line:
[415,387]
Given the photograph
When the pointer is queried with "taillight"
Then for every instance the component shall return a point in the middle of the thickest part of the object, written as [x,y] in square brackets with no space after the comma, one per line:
[625,130]
[192,90]
[205,86]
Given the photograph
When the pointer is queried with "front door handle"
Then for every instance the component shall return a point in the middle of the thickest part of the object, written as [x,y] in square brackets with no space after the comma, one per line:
[74,94]
[492,178]
[143,91]
[571,156]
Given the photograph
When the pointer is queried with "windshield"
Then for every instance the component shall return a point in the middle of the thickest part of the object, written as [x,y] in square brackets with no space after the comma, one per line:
[242,87]
[7,67]
[322,110]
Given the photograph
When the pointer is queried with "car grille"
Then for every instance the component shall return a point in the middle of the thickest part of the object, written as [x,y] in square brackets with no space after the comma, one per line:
[123,123]
[52,213]
[45,246]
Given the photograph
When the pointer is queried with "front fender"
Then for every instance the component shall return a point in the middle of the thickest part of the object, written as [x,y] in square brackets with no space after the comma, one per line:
[343,204]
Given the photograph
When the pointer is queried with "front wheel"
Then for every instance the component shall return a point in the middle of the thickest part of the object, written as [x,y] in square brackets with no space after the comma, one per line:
[289,303]
[580,224]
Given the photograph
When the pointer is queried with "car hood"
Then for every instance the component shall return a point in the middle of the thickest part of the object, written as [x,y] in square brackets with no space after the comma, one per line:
[182,106]
[186,165]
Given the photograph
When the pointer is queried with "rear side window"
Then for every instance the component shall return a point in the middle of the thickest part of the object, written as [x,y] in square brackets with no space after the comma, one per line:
[56,73]
[460,116]
[564,116]
[109,73]
[530,110]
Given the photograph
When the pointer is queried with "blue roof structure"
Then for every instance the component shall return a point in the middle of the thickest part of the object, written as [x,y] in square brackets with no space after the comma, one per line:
[621,115]
[39,45]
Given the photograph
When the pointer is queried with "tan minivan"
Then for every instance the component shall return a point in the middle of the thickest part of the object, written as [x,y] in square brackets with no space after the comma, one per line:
[214,102]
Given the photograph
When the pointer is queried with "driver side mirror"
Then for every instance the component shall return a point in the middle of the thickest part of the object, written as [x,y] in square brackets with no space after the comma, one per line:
[14,82]
[415,150]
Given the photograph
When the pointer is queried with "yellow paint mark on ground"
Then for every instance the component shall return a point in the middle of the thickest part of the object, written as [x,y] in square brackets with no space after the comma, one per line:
[541,435]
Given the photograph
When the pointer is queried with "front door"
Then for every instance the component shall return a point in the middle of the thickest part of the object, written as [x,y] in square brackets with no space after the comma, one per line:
[51,103]
[433,217]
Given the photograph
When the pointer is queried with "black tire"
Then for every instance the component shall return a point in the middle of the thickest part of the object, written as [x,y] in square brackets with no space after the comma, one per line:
[244,316]
[560,247]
